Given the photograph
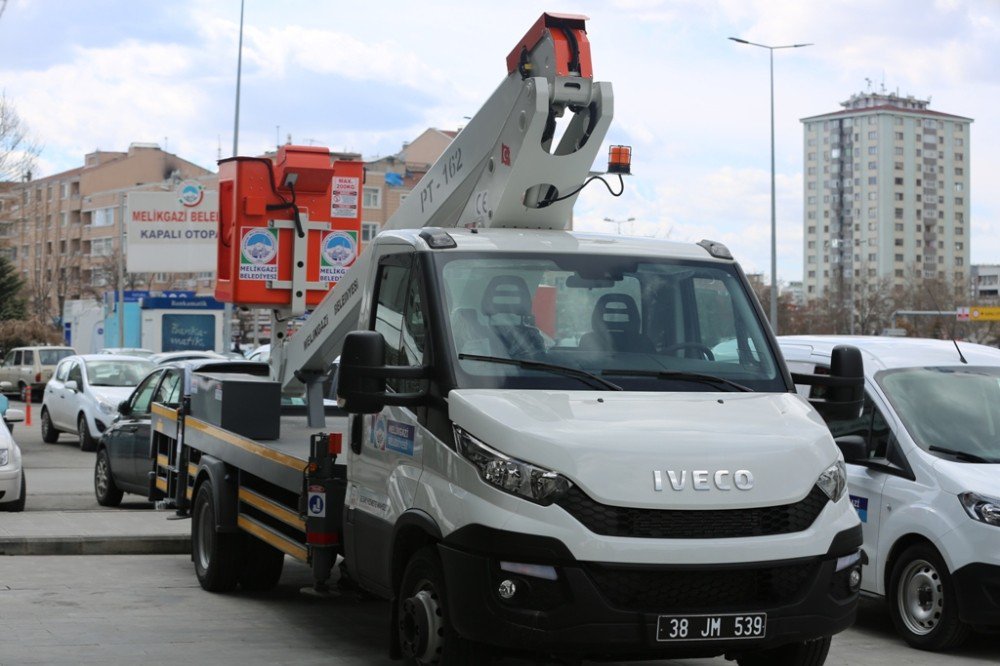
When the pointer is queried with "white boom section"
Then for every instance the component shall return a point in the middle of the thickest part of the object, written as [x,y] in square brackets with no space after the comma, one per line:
[500,171]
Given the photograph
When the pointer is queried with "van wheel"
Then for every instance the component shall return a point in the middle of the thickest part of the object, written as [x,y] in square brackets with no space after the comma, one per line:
[262,565]
[87,442]
[426,635]
[216,554]
[806,653]
[922,600]
[49,433]
[108,494]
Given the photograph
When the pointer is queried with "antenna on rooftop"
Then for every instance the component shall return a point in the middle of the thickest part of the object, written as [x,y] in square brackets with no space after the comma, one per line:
[868,82]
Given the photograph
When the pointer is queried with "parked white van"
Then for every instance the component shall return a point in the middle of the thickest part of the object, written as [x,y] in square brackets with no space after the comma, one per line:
[924,476]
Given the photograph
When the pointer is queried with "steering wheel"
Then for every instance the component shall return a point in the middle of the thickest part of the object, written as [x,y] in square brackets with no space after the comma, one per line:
[705,351]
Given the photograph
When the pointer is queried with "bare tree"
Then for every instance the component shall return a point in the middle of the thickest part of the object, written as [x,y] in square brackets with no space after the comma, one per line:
[107,267]
[17,150]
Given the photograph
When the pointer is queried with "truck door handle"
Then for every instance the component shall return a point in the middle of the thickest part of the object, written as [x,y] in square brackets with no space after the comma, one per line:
[356,433]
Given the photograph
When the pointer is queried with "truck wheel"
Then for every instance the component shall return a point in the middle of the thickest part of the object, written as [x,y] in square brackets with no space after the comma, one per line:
[216,554]
[262,565]
[806,653]
[18,504]
[108,494]
[87,442]
[426,635]
[922,600]
[49,433]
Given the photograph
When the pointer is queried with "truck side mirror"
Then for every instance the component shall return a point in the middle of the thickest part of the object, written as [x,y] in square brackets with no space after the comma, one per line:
[844,393]
[361,383]
[853,447]
[124,408]
[359,391]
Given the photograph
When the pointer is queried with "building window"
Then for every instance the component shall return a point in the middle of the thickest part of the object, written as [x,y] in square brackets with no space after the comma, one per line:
[898,166]
[899,225]
[372,197]
[959,201]
[103,217]
[959,171]
[959,157]
[959,247]
[898,242]
[873,150]
[959,231]
[899,181]
[873,135]
[369,230]
[812,201]
[899,272]
[899,135]
[899,257]
[872,180]
[872,166]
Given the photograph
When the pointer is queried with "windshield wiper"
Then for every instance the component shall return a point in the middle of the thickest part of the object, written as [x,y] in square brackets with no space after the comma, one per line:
[684,376]
[961,455]
[582,375]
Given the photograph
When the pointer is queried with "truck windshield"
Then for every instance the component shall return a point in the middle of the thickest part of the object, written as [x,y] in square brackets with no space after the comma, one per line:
[951,411]
[649,321]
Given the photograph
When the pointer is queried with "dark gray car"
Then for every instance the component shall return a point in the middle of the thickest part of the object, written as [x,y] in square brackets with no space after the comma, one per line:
[123,462]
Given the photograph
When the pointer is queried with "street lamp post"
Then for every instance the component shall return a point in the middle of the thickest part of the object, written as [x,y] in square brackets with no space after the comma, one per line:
[774,224]
[619,223]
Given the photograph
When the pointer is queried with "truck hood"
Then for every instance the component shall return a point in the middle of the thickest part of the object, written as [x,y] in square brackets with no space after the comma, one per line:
[610,443]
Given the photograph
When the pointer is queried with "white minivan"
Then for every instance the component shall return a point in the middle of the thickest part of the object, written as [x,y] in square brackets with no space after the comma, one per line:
[924,476]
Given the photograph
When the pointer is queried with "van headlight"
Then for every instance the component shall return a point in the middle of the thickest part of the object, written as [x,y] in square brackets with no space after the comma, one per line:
[833,481]
[983,508]
[511,475]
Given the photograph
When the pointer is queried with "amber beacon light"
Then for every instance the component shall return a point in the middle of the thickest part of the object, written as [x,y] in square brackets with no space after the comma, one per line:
[620,160]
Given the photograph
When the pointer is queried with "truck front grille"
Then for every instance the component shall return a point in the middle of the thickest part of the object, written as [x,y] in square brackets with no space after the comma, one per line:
[686,589]
[620,521]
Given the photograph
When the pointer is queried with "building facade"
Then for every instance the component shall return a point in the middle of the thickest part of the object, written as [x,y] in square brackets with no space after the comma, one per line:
[886,194]
[985,279]
[63,232]
[390,179]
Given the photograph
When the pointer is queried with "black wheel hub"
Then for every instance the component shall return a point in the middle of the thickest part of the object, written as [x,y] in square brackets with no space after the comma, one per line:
[420,627]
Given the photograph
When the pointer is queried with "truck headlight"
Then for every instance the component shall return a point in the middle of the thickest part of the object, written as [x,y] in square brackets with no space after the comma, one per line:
[511,475]
[981,507]
[833,481]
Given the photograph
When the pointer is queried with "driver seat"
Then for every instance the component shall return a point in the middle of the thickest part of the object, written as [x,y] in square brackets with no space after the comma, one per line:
[507,306]
[615,323]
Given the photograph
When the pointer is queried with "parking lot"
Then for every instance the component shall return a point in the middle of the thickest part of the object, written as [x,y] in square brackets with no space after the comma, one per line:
[117,608]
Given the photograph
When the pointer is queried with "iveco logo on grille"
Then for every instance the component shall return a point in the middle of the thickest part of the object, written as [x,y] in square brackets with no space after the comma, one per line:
[703,479]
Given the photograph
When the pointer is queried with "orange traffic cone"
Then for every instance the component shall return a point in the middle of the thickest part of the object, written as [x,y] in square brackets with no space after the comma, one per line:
[27,407]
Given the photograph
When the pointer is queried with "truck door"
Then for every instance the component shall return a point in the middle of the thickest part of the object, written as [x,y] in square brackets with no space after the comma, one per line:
[384,474]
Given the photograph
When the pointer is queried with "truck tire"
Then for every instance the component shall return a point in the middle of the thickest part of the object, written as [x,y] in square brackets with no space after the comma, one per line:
[426,635]
[87,442]
[49,433]
[216,554]
[922,600]
[107,493]
[262,565]
[806,653]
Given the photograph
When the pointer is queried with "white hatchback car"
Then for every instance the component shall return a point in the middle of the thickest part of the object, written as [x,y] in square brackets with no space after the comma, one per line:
[83,395]
[923,463]
[13,487]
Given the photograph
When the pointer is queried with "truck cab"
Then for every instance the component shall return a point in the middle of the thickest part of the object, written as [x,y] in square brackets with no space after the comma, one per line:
[595,441]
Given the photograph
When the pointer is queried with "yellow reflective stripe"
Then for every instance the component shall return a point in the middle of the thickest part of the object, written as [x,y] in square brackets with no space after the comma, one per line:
[272,508]
[165,412]
[161,483]
[280,542]
[162,460]
[192,470]
[246,444]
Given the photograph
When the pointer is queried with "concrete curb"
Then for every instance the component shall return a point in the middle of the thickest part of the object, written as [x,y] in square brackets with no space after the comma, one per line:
[97,545]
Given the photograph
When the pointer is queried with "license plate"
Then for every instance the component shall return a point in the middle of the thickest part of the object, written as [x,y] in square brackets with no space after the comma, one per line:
[726,627]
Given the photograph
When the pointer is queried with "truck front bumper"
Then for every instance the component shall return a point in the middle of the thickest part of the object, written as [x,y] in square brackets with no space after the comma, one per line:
[602,611]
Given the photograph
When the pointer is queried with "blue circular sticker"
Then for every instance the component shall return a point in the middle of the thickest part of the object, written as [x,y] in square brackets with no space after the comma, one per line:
[259,247]
[339,249]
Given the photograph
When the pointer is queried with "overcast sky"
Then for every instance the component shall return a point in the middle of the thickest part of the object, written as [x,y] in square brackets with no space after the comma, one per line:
[694,106]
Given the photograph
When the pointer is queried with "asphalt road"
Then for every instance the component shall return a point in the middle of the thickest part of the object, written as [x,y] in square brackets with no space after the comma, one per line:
[130,608]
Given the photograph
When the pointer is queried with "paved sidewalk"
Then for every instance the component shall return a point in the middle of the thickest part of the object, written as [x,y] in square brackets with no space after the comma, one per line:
[103,532]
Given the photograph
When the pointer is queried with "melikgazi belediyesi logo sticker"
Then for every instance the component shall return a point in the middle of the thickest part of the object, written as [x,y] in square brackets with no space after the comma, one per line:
[338,251]
[259,254]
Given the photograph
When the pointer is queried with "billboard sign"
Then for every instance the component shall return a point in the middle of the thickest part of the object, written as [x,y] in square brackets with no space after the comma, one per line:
[172,232]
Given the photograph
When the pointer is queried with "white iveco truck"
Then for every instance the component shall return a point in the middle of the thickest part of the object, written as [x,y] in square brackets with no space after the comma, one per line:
[557,442]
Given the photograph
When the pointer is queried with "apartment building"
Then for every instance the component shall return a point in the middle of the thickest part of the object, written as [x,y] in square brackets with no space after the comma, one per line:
[985,280]
[390,179]
[886,193]
[62,232]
